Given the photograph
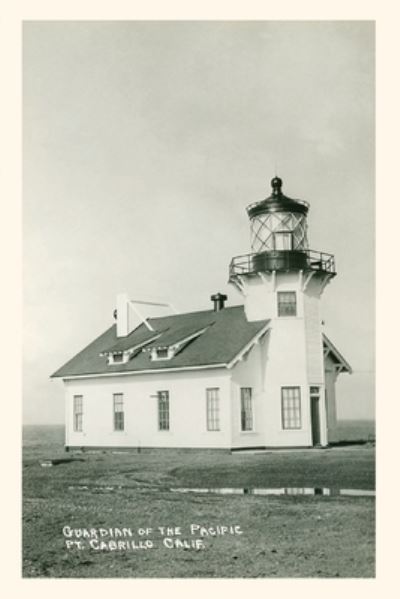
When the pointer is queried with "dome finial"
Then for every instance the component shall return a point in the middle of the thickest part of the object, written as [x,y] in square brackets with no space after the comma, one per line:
[276,184]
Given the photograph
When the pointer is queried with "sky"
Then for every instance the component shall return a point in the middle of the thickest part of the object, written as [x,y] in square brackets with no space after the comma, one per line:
[143,143]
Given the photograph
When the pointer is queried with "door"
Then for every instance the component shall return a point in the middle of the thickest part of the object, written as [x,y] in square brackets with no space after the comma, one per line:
[315,416]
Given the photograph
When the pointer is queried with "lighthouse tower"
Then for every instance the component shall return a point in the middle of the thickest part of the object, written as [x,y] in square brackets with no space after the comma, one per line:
[282,280]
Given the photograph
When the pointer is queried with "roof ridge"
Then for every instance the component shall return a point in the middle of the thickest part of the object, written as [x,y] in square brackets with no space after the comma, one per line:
[210,310]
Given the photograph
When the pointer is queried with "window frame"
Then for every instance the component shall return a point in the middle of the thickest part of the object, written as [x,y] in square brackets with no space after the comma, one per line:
[163,414]
[281,304]
[288,234]
[77,414]
[291,416]
[213,409]
[118,415]
[243,426]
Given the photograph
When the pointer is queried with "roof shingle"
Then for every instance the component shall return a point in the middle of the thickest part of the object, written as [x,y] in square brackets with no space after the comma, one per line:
[227,333]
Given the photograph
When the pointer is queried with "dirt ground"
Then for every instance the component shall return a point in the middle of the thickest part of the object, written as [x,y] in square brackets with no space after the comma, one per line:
[74,514]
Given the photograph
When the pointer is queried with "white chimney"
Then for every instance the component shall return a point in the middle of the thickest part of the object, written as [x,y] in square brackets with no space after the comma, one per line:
[122,315]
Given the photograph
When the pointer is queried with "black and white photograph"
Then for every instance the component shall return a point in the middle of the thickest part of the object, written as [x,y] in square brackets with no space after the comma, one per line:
[198,299]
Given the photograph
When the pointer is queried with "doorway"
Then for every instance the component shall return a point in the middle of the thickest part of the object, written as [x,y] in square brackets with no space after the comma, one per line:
[315,416]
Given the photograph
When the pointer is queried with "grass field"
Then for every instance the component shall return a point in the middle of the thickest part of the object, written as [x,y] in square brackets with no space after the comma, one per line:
[282,536]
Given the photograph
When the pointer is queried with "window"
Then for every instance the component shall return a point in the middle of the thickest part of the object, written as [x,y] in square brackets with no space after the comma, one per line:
[163,410]
[118,358]
[161,353]
[212,409]
[78,413]
[282,240]
[291,413]
[286,303]
[118,400]
[246,409]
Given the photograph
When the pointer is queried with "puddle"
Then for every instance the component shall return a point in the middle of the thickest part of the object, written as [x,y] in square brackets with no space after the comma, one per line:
[57,461]
[277,491]
[310,491]
[93,488]
[357,492]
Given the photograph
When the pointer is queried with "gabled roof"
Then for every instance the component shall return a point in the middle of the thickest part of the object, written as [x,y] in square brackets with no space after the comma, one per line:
[340,362]
[226,333]
[175,336]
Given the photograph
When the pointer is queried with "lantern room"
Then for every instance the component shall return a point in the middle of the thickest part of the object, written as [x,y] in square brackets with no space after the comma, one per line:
[279,241]
[278,222]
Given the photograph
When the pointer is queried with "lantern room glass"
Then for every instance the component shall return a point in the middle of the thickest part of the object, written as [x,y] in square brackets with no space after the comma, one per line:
[278,231]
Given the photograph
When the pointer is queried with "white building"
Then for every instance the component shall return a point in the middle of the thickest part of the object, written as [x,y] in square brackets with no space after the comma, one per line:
[257,375]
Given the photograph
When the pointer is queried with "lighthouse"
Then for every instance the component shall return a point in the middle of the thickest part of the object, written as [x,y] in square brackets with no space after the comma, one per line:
[282,279]
[260,374]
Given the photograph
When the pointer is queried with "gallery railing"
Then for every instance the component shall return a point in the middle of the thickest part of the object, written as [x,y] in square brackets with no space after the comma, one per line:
[282,260]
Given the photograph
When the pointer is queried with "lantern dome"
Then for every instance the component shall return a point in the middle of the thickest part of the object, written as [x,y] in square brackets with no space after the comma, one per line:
[277,202]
